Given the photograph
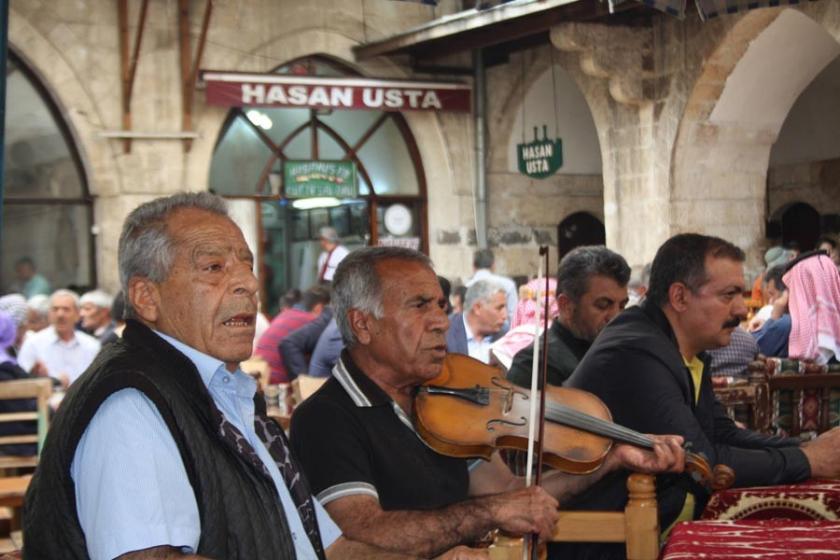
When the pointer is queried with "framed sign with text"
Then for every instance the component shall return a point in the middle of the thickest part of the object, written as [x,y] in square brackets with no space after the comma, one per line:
[308,179]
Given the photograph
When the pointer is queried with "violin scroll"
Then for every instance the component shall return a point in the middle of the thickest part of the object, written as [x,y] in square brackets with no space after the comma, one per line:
[720,477]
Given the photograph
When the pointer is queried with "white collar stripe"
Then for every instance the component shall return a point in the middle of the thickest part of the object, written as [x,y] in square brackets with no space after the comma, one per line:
[403,417]
[346,380]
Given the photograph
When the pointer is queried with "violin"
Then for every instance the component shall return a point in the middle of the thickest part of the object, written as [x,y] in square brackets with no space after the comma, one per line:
[470,410]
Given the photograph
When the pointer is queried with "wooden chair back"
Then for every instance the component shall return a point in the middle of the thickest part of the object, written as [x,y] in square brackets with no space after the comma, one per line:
[794,395]
[259,369]
[40,390]
[748,402]
[807,385]
[637,526]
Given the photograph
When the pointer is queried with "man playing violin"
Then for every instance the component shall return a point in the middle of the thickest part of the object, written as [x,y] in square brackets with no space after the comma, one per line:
[355,440]
[650,368]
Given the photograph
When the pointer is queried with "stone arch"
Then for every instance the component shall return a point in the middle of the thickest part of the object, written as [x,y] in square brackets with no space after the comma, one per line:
[523,211]
[74,101]
[579,228]
[84,119]
[797,221]
[721,154]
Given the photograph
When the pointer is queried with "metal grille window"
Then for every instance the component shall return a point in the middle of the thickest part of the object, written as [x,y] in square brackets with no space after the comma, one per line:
[255,143]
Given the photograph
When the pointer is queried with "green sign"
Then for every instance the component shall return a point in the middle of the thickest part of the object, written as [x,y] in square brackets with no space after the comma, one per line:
[540,158]
[308,179]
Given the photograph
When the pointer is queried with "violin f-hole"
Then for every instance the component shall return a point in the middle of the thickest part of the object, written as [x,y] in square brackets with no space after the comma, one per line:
[490,423]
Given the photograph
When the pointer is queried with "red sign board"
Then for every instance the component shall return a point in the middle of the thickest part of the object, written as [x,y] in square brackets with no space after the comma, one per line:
[231,89]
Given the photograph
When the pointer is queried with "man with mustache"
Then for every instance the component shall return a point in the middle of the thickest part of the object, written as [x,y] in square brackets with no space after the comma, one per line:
[650,367]
[162,448]
[369,468]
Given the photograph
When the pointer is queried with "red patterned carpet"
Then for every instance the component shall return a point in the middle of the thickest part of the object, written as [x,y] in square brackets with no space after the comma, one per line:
[766,539]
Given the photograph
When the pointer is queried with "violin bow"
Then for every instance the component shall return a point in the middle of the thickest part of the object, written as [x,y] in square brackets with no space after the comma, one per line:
[538,380]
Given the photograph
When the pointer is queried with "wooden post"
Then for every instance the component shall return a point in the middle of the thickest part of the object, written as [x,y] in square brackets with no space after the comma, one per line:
[189,67]
[641,518]
[186,65]
[129,65]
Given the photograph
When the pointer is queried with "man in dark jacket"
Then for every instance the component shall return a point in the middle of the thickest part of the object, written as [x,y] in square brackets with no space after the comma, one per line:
[591,291]
[650,368]
[162,448]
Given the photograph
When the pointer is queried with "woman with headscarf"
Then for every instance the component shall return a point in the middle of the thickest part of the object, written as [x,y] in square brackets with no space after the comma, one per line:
[9,370]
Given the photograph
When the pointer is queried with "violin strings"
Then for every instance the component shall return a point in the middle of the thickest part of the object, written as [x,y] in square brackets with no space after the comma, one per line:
[570,417]
[576,419]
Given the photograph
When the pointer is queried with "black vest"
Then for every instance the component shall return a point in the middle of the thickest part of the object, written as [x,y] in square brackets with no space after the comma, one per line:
[241,515]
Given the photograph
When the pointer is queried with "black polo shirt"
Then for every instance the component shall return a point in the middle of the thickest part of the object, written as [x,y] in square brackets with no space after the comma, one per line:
[352,439]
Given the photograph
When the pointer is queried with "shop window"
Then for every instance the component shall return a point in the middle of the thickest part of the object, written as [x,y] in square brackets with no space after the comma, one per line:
[248,161]
[47,211]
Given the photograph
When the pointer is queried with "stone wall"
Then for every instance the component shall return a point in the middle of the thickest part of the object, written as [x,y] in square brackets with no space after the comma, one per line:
[681,146]
[816,183]
[73,48]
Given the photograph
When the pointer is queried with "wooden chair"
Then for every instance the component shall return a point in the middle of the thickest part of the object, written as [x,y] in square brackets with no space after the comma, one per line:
[775,384]
[637,526]
[752,398]
[40,390]
[802,386]
[259,369]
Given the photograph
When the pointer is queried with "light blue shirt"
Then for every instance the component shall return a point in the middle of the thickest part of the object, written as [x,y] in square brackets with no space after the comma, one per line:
[132,490]
[478,348]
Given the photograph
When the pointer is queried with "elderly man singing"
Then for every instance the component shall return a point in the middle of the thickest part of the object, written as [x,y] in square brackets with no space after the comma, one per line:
[368,466]
[161,449]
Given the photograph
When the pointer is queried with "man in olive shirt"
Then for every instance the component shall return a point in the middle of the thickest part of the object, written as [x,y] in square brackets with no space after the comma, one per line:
[591,290]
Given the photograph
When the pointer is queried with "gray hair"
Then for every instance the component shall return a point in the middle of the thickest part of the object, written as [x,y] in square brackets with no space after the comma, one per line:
[66,293]
[146,249]
[99,298]
[582,263]
[356,284]
[481,291]
[40,304]
[328,234]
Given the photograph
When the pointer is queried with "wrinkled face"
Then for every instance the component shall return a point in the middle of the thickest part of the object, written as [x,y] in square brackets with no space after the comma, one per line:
[602,301]
[94,316]
[717,307]
[209,301]
[35,321]
[491,314]
[410,338]
[63,314]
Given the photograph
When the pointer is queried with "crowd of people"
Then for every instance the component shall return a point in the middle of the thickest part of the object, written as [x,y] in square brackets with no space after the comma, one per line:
[59,334]
[162,447]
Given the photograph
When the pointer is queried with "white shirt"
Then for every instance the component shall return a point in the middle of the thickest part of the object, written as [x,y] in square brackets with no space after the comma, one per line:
[69,358]
[336,257]
[478,348]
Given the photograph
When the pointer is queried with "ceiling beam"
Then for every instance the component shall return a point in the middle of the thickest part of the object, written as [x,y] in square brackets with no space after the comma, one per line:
[474,29]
